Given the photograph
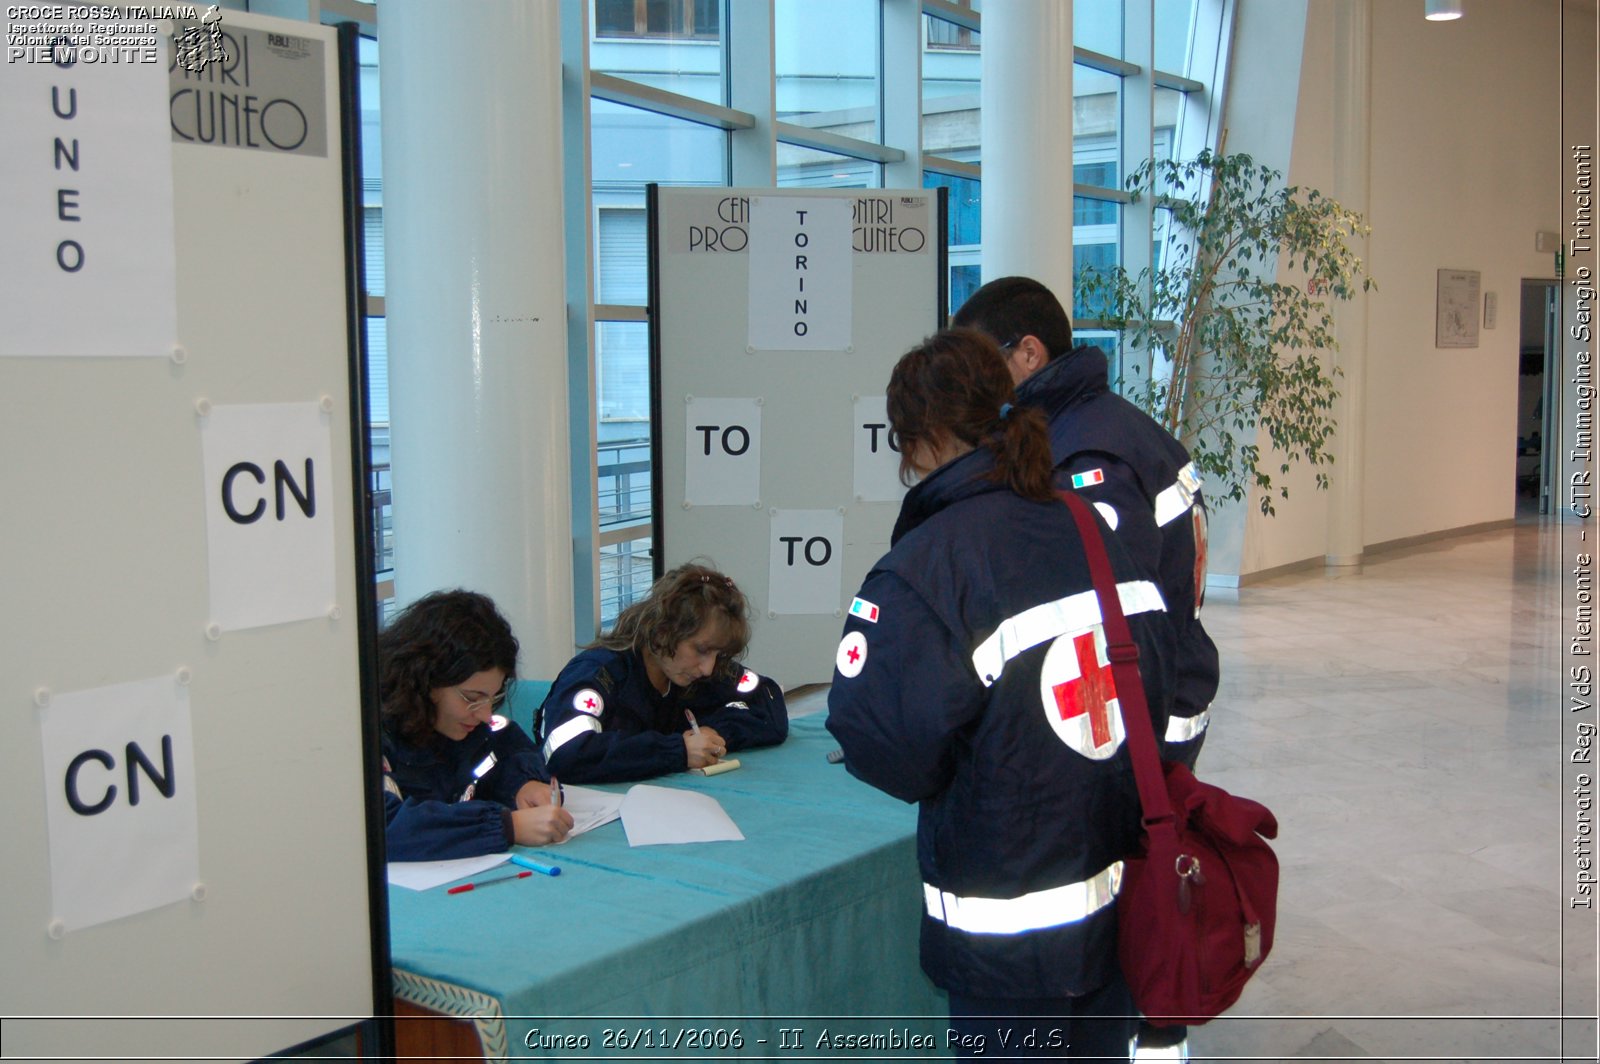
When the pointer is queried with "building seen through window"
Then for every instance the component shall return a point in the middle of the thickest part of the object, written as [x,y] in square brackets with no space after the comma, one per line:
[828,82]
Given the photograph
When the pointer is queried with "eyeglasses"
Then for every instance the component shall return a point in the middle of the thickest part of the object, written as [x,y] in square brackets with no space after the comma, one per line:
[493,701]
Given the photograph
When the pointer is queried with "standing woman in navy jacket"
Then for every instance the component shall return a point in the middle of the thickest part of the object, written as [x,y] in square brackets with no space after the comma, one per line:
[618,710]
[458,779]
[973,679]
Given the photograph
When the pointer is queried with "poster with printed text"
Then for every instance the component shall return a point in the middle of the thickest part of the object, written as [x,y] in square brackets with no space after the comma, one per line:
[269,513]
[722,452]
[120,800]
[87,260]
[805,569]
[801,285]
[876,452]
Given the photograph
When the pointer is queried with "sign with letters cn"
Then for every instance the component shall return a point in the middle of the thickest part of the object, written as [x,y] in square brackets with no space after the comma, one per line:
[120,800]
[269,513]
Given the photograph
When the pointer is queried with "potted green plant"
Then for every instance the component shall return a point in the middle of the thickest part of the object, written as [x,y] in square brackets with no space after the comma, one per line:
[1231,347]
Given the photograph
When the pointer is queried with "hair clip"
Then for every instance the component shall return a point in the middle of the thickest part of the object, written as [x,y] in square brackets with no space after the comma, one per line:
[1005,411]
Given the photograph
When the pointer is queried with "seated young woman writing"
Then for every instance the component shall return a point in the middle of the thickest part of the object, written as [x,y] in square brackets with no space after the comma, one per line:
[663,692]
[458,780]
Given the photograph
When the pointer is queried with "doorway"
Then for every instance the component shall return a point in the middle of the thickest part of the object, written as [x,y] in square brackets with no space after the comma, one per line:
[1538,375]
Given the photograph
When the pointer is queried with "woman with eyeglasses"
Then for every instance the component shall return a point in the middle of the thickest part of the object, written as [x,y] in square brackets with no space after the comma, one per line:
[458,780]
[663,692]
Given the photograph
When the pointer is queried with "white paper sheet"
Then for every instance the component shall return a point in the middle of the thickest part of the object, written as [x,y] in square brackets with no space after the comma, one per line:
[877,462]
[722,452]
[87,260]
[801,279]
[589,807]
[270,560]
[120,843]
[655,816]
[425,875]
[805,565]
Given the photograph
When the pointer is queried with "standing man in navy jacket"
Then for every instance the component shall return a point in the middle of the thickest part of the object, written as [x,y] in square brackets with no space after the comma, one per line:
[1140,479]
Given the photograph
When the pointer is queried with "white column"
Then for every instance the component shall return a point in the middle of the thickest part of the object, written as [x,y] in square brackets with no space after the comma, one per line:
[1352,56]
[476,310]
[1027,142]
[583,482]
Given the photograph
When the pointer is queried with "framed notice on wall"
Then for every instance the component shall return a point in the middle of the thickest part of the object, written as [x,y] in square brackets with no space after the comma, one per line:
[1456,309]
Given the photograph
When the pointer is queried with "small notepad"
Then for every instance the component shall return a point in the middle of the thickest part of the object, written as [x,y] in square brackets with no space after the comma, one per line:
[718,768]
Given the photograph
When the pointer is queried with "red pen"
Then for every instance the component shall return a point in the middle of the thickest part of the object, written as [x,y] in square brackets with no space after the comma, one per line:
[463,888]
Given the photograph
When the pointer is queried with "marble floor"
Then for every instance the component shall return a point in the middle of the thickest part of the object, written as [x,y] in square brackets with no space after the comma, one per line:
[1405,722]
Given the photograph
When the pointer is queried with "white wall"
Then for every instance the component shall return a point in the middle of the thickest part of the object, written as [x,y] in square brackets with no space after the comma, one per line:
[1466,165]
[1463,176]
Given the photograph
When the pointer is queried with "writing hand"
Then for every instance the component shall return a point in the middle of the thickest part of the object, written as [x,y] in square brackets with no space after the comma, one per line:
[533,793]
[705,748]
[541,826]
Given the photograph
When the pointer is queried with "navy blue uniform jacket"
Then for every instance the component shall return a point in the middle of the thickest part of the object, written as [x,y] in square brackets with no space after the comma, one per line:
[604,722]
[1143,483]
[454,799]
[981,691]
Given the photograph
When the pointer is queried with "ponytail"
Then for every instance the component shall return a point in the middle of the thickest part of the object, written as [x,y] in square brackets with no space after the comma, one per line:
[1022,454]
[955,384]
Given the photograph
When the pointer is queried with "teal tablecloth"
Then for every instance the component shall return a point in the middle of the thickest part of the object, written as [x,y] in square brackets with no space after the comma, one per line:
[809,925]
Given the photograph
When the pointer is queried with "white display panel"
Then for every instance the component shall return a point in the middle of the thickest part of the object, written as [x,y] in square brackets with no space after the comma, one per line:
[239,891]
[715,287]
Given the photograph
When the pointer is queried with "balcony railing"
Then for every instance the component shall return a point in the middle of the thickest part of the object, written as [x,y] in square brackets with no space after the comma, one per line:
[627,558]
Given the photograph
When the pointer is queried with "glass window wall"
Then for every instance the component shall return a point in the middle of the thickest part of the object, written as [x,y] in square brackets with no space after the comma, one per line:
[825,55]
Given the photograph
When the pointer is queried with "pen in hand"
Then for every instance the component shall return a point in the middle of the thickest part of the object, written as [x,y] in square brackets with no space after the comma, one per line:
[555,793]
[694,725]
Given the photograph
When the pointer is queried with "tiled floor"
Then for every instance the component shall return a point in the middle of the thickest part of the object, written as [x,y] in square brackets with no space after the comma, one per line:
[1404,721]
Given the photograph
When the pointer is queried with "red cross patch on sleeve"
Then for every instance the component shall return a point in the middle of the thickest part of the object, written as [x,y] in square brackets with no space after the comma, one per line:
[852,656]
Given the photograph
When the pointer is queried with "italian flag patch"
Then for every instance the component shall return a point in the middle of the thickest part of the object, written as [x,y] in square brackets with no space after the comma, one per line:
[865,610]
[1088,478]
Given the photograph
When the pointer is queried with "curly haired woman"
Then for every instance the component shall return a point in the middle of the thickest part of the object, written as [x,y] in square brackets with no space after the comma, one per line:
[458,780]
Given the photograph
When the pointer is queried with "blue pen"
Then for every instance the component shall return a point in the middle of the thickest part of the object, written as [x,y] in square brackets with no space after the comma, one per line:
[549,870]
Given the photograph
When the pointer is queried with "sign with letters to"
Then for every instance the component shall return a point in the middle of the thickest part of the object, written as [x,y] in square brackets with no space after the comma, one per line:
[801,285]
[269,514]
[877,452]
[120,800]
[805,570]
[87,260]
[722,452]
